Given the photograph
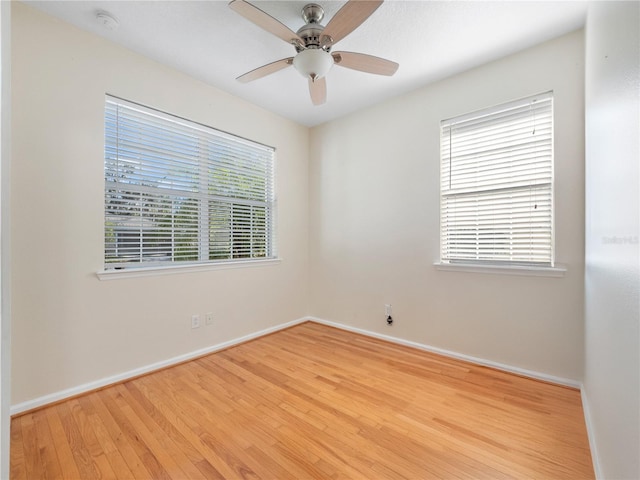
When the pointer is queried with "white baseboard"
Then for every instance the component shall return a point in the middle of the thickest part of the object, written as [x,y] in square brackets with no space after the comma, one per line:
[460,356]
[590,434]
[103,382]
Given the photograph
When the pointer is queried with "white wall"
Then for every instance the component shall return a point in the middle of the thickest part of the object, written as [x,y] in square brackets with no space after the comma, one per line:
[374,220]
[612,288]
[70,328]
[5,236]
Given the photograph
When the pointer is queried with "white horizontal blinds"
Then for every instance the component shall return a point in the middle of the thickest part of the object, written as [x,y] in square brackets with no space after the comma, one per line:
[176,191]
[497,183]
[241,228]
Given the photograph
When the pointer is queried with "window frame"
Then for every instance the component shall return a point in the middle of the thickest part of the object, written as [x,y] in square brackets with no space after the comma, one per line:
[488,265]
[206,197]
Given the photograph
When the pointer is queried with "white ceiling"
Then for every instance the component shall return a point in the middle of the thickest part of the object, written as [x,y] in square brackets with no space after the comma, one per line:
[429,39]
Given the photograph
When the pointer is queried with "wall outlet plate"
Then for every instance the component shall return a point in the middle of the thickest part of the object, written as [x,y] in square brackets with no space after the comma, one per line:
[195,321]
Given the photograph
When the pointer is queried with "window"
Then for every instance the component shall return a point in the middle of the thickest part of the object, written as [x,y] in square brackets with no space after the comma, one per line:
[177,192]
[496,190]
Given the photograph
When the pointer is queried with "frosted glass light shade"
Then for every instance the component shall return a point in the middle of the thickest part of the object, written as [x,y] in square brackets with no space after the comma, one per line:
[313,62]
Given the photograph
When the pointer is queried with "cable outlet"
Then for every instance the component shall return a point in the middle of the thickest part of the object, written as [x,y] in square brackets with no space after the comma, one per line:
[209,319]
[195,321]
[387,313]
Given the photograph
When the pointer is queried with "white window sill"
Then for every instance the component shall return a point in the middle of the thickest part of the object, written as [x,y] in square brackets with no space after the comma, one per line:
[557,271]
[173,269]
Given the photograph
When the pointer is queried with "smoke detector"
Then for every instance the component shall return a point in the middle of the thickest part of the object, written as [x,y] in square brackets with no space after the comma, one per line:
[107,20]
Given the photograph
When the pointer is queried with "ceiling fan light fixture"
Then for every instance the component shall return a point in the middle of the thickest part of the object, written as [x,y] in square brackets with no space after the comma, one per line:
[313,63]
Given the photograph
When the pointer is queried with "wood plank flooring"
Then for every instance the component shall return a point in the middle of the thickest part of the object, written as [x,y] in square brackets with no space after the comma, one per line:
[310,402]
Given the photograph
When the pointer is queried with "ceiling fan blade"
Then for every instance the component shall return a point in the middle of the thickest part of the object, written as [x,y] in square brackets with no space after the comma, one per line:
[349,17]
[265,70]
[318,90]
[365,63]
[264,21]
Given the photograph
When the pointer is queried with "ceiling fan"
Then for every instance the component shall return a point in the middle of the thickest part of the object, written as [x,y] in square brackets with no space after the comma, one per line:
[313,43]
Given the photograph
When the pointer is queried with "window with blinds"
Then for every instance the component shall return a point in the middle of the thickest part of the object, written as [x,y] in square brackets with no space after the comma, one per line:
[177,192]
[496,190]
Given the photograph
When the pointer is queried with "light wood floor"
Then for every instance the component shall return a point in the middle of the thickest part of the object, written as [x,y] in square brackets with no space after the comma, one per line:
[310,402]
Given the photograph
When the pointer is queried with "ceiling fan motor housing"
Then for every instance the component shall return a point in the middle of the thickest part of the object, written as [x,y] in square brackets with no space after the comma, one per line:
[311,32]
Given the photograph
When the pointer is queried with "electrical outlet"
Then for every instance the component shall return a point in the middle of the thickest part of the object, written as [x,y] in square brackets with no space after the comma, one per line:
[387,309]
[209,319]
[195,321]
